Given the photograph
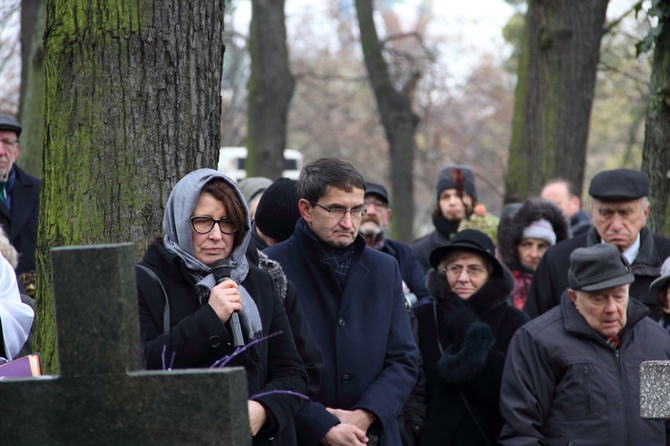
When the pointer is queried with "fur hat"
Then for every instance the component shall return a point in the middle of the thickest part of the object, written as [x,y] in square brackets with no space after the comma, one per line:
[512,226]
[278,210]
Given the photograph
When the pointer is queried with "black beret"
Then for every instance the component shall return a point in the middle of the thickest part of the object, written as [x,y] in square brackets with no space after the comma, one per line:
[7,123]
[377,189]
[619,185]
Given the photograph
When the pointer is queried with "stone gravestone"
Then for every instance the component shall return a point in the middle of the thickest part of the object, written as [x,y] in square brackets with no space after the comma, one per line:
[102,396]
[655,390]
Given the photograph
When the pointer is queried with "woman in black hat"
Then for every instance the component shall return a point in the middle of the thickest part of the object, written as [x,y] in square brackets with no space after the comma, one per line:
[463,338]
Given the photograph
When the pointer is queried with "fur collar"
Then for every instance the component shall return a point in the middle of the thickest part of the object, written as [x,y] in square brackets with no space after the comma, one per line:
[511,228]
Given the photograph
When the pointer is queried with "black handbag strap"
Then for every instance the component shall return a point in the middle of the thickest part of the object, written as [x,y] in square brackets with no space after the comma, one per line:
[458,389]
[166,309]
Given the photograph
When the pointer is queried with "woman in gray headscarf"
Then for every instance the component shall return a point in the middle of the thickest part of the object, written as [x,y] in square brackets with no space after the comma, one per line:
[185,316]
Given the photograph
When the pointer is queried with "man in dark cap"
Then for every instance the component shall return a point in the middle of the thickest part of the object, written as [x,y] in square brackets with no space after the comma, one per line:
[619,211]
[572,375]
[374,223]
[19,197]
[456,199]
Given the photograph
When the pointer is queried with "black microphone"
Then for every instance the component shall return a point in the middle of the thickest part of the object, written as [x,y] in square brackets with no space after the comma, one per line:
[221,270]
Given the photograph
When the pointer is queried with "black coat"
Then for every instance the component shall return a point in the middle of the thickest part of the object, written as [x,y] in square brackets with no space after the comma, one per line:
[551,276]
[20,223]
[363,332]
[198,338]
[474,335]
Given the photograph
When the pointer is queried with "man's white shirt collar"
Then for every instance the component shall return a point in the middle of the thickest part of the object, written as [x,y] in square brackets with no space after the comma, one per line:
[631,253]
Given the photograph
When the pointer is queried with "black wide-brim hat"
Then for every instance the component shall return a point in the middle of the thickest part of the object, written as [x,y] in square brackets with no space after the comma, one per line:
[469,240]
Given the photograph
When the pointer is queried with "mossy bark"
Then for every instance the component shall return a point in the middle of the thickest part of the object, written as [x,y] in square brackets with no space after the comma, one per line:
[656,150]
[554,95]
[132,104]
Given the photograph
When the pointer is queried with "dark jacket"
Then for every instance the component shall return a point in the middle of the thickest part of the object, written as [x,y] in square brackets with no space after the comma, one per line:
[302,334]
[198,338]
[424,246]
[580,223]
[363,332]
[551,276]
[410,269]
[474,335]
[510,233]
[563,384]
[20,223]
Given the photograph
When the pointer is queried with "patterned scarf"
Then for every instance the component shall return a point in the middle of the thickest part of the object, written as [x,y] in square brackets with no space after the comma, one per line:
[6,188]
[615,340]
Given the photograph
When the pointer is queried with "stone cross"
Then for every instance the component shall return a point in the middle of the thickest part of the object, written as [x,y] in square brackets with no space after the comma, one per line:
[102,396]
[655,390]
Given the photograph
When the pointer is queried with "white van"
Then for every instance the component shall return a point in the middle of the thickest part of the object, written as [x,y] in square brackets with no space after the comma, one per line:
[232,162]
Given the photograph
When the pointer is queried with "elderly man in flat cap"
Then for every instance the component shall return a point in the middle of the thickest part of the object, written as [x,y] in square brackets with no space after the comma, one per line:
[19,197]
[619,211]
[572,375]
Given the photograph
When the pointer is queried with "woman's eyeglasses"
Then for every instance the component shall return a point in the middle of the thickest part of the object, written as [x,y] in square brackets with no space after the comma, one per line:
[203,225]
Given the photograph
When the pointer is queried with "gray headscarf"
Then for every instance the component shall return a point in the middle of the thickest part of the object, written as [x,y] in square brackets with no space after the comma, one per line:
[178,240]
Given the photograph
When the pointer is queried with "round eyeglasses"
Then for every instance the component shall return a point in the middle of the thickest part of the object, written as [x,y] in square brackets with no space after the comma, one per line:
[204,225]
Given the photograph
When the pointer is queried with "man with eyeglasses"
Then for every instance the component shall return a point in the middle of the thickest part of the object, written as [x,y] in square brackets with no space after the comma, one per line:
[572,375]
[353,299]
[373,226]
[19,197]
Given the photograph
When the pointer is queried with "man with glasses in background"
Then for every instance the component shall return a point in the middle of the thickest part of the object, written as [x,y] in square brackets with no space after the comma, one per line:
[19,197]
[373,226]
[353,299]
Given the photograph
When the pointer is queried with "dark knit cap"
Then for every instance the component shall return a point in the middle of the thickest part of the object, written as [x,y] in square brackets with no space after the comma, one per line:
[7,123]
[619,185]
[598,267]
[278,210]
[377,189]
[449,177]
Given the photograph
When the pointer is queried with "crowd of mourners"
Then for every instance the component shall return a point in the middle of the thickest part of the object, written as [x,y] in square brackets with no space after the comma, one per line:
[528,329]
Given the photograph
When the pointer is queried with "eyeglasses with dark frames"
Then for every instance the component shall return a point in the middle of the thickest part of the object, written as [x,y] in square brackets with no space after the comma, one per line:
[339,213]
[204,225]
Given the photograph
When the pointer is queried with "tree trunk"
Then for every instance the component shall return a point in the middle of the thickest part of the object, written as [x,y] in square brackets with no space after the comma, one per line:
[398,119]
[271,86]
[554,95]
[656,150]
[31,110]
[132,104]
